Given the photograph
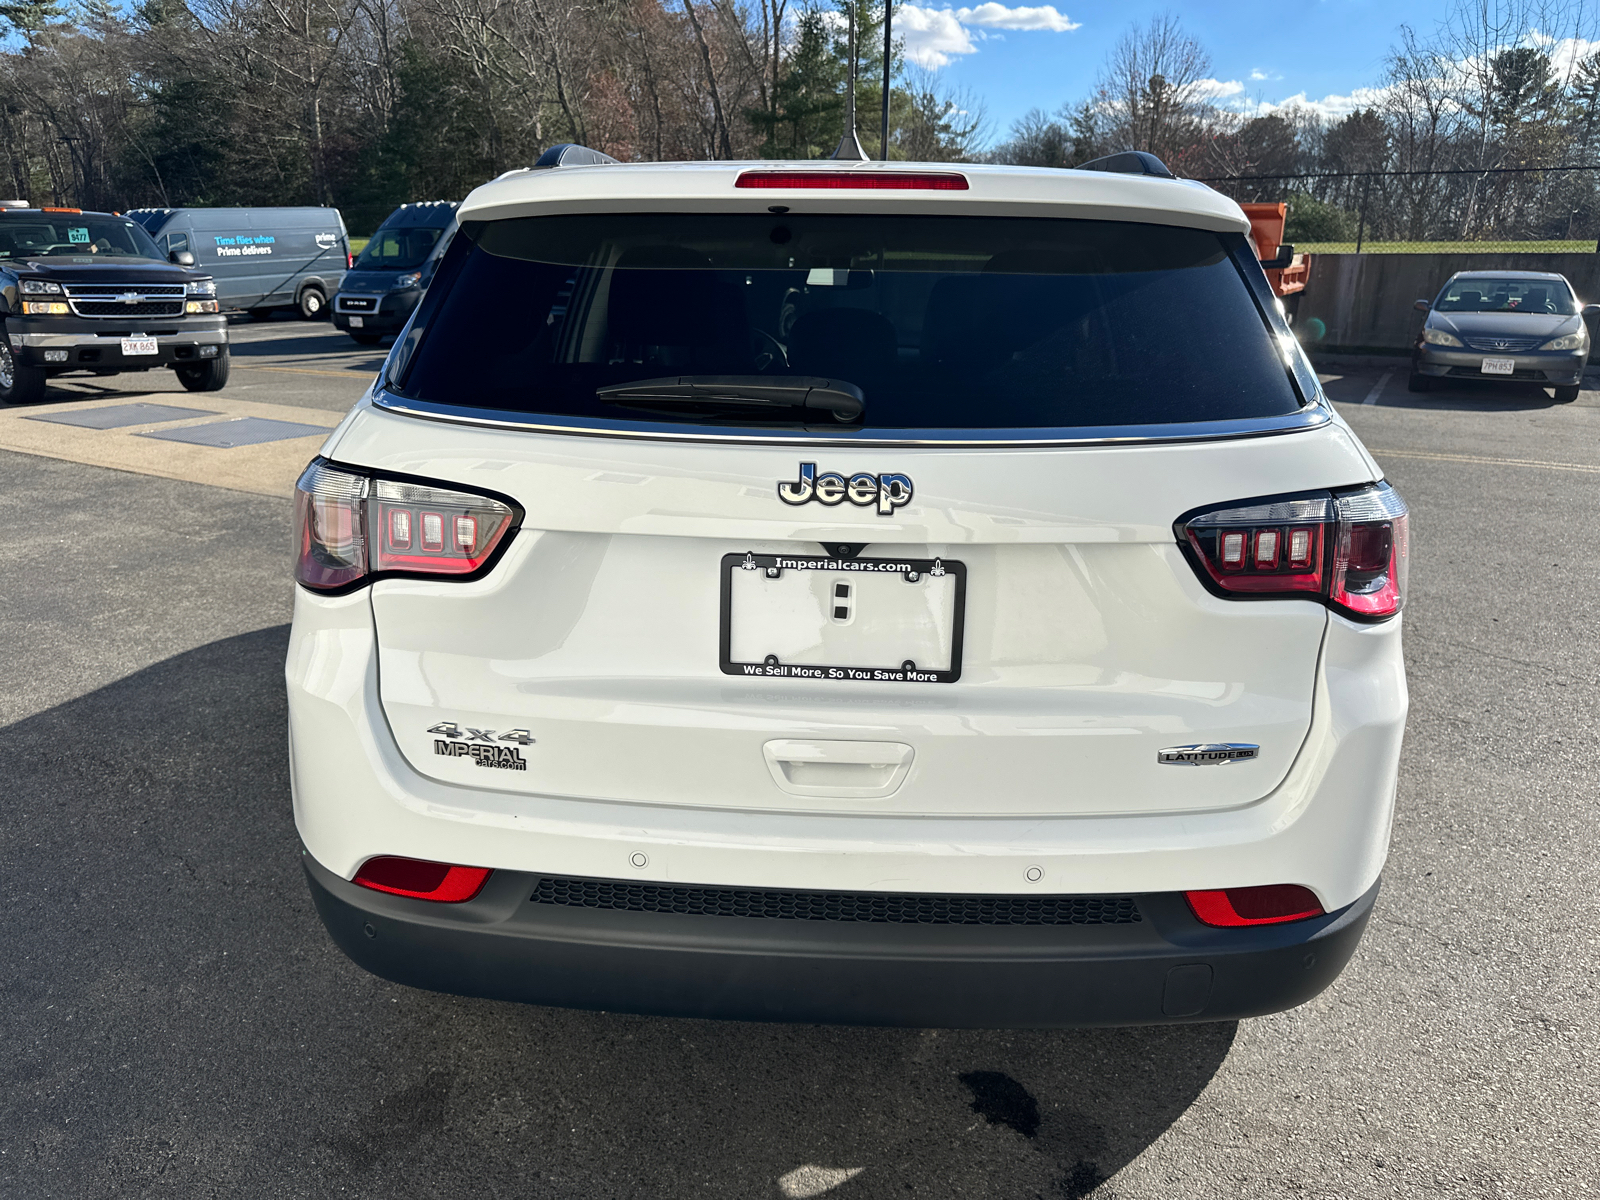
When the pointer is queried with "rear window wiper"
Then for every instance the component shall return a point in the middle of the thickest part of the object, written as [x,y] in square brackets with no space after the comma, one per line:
[844,401]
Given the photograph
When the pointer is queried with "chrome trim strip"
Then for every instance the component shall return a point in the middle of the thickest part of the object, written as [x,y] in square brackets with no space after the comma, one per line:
[1312,416]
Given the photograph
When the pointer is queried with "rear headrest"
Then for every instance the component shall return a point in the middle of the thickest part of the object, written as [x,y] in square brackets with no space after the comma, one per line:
[668,296]
[852,344]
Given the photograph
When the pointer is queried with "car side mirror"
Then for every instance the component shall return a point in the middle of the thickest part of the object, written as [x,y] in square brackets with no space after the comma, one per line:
[1591,310]
[1422,306]
[181,258]
[1284,259]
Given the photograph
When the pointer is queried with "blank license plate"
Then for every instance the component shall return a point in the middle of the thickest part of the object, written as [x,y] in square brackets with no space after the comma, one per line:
[356,322]
[856,620]
[138,345]
[1499,366]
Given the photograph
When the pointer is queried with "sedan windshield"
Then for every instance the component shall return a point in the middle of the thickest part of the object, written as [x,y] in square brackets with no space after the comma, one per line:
[937,322]
[1488,294]
[73,235]
[398,249]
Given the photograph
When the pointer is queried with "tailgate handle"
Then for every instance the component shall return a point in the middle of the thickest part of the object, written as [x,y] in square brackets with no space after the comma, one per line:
[839,769]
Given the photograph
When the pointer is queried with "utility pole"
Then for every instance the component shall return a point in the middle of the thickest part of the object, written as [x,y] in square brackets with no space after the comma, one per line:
[849,144]
[888,54]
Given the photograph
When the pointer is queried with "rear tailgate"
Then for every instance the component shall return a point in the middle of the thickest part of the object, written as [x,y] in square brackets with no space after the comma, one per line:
[1087,645]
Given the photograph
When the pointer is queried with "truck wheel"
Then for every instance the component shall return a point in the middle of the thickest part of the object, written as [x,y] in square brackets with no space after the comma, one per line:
[18,384]
[313,304]
[366,339]
[1567,394]
[210,376]
[1419,382]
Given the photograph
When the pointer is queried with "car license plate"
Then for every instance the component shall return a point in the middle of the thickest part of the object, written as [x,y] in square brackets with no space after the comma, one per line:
[134,346]
[1499,366]
[356,322]
[848,620]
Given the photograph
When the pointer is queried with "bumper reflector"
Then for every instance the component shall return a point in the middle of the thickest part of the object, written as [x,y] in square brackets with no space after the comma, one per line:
[1270,905]
[422,880]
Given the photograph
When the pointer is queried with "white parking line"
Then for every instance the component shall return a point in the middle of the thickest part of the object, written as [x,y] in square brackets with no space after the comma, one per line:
[1377,388]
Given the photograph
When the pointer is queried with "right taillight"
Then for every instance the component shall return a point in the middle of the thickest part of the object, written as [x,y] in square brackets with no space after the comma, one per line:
[1347,549]
[353,526]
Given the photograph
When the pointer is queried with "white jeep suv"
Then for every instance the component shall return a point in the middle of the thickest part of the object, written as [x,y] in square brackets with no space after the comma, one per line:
[864,593]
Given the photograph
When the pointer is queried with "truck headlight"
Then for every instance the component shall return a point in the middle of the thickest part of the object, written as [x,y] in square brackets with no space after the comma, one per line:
[45,308]
[1570,341]
[408,281]
[200,306]
[40,287]
[202,287]
[1438,337]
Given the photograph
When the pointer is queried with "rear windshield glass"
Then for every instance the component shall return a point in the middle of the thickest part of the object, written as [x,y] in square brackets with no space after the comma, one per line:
[939,322]
[1488,294]
[398,248]
[74,235]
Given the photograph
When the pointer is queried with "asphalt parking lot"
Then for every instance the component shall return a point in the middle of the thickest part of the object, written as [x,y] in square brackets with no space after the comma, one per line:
[176,1021]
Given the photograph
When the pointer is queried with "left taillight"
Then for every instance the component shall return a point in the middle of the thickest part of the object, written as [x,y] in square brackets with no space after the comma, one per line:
[1348,549]
[352,527]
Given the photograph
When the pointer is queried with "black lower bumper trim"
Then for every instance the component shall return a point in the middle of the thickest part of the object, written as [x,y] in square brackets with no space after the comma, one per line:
[1167,967]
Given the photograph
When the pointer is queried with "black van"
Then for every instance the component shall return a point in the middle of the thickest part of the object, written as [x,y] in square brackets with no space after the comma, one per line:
[386,282]
[263,259]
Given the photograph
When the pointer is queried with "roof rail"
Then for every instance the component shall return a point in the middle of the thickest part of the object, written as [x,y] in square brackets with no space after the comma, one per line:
[1129,162]
[570,154]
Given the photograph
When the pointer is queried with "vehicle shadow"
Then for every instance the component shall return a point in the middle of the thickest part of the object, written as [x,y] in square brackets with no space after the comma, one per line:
[1468,395]
[177,1012]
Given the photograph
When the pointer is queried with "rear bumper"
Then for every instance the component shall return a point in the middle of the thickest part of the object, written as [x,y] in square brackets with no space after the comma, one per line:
[1165,968]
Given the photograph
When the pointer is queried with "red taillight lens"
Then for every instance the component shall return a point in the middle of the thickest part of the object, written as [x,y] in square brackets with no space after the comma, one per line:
[1372,557]
[422,880]
[1270,905]
[1348,549]
[353,527]
[894,181]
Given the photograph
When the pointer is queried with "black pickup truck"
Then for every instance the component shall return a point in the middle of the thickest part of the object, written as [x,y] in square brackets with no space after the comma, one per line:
[82,291]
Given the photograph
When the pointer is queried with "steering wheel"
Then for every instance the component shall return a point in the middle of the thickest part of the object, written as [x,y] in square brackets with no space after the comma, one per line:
[769,350]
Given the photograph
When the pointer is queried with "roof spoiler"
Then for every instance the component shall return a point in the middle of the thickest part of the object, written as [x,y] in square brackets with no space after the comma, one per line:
[570,154]
[1129,162]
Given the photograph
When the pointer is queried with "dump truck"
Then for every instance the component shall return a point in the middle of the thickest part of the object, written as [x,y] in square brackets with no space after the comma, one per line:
[1287,271]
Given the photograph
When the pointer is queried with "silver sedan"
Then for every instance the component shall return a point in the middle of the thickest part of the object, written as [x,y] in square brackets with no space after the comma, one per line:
[1504,326]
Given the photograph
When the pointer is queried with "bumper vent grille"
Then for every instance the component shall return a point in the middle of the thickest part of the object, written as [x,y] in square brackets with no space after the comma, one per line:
[870,907]
[1519,373]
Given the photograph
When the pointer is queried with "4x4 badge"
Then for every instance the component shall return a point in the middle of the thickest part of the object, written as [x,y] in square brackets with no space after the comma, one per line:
[1208,754]
[886,492]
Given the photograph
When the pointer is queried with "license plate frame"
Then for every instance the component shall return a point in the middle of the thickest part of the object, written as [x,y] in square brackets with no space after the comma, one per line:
[1498,366]
[140,347]
[771,668]
[357,322]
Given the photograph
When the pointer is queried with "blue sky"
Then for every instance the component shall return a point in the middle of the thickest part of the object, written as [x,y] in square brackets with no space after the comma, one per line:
[1024,57]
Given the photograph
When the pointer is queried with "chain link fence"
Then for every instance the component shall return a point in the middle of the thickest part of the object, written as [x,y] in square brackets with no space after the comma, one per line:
[1525,210]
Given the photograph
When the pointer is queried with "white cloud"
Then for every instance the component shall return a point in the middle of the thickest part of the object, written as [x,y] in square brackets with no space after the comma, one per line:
[1259,76]
[934,37]
[1332,107]
[1215,89]
[998,16]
